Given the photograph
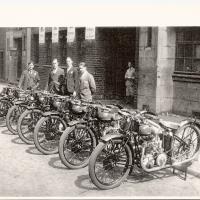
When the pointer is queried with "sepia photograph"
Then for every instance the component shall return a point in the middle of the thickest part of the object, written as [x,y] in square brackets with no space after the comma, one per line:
[99,107]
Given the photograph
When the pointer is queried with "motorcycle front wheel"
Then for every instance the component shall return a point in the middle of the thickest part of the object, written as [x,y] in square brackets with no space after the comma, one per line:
[110,164]
[186,143]
[47,134]
[27,123]
[5,104]
[12,118]
[76,145]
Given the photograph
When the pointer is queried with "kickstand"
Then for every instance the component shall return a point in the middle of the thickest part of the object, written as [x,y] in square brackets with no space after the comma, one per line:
[183,169]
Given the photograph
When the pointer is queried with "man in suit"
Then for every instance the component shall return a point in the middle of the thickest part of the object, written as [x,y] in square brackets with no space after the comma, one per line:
[87,86]
[56,76]
[70,85]
[29,79]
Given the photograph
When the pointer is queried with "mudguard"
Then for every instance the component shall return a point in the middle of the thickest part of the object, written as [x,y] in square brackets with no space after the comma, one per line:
[190,121]
[50,113]
[108,137]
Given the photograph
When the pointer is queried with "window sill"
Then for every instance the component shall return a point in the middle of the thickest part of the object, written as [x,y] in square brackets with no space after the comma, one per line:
[191,77]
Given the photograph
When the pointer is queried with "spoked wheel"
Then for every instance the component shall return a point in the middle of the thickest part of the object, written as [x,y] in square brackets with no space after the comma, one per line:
[12,117]
[186,143]
[110,163]
[27,123]
[76,145]
[5,104]
[47,134]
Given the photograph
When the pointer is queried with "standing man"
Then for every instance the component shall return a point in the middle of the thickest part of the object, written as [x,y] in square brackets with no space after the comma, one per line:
[70,84]
[130,81]
[87,86]
[55,78]
[29,79]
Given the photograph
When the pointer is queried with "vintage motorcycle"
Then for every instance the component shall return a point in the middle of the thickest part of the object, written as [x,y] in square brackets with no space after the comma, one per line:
[7,96]
[81,137]
[29,118]
[51,125]
[25,98]
[147,142]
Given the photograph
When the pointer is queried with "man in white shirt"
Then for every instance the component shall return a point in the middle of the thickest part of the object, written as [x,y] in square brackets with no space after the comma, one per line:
[129,81]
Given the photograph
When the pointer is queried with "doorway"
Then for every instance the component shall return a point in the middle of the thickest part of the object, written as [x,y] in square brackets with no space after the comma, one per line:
[121,48]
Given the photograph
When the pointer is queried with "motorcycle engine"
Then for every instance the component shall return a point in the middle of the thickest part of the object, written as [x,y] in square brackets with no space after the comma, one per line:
[152,150]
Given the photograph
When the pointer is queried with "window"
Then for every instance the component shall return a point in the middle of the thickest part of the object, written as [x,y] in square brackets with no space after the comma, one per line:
[63,46]
[48,48]
[188,50]
[149,36]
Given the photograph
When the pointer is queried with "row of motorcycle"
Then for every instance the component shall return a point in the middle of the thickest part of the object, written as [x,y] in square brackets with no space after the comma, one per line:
[109,139]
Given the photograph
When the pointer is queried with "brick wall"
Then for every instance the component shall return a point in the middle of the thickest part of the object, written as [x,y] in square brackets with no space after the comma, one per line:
[94,58]
[42,54]
[98,57]
[35,48]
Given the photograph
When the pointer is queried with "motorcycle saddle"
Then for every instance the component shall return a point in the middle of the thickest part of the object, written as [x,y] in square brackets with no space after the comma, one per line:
[169,124]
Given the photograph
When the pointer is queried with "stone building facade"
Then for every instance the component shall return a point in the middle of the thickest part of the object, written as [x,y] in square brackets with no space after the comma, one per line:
[166,61]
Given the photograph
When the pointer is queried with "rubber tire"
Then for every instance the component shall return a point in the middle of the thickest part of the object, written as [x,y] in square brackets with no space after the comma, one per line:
[21,135]
[8,119]
[9,105]
[61,147]
[198,136]
[35,135]
[92,162]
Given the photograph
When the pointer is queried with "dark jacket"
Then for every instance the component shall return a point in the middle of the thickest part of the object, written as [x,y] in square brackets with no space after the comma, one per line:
[70,81]
[55,80]
[87,86]
[29,81]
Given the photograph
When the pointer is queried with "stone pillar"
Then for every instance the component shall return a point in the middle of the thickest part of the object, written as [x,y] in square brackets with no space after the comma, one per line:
[165,67]
[147,71]
[10,72]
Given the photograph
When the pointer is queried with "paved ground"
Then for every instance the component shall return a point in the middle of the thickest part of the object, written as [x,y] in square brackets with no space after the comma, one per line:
[24,172]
